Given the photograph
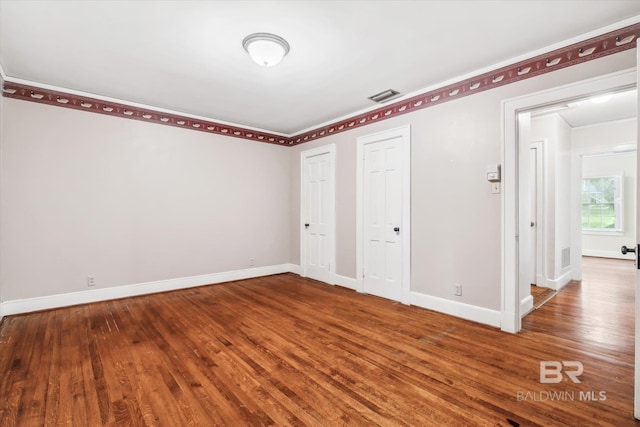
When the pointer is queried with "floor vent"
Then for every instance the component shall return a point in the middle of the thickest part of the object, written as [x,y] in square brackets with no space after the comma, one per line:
[566,257]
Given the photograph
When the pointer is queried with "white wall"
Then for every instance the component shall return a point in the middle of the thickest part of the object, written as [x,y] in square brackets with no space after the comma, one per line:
[562,274]
[131,202]
[556,134]
[603,138]
[545,129]
[563,195]
[1,139]
[456,221]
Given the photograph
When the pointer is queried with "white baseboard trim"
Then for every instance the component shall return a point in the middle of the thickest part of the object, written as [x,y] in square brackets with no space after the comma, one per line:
[104,294]
[526,305]
[295,269]
[346,282]
[560,282]
[457,309]
[607,254]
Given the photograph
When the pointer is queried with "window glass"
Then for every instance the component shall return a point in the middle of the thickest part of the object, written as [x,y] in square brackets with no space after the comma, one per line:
[602,204]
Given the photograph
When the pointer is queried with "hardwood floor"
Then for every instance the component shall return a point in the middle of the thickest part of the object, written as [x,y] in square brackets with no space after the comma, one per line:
[282,350]
[541,295]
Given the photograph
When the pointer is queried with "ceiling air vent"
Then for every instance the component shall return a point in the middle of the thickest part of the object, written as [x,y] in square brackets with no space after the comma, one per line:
[384,96]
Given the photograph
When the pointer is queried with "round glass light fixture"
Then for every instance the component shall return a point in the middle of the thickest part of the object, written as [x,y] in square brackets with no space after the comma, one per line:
[265,49]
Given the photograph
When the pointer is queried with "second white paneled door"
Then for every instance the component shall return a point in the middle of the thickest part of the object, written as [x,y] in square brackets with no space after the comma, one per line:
[384,225]
[318,214]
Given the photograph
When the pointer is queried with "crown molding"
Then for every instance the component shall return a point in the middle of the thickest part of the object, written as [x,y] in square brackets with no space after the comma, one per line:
[596,47]
[67,98]
[606,41]
[531,54]
[3,75]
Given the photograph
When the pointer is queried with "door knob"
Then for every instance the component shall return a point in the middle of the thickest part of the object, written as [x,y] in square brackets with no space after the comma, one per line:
[626,250]
[397,230]
[532,223]
[306,225]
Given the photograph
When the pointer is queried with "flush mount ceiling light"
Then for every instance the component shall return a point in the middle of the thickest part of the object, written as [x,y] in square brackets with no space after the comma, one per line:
[265,49]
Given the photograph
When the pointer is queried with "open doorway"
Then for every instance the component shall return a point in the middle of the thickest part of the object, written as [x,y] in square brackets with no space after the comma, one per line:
[581,187]
[589,165]
[516,251]
[517,137]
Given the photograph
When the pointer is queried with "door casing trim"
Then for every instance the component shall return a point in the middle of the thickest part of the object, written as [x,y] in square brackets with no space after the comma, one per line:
[329,149]
[405,133]
[510,298]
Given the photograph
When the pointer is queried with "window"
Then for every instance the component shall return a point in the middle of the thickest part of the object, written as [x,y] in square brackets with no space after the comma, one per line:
[602,203]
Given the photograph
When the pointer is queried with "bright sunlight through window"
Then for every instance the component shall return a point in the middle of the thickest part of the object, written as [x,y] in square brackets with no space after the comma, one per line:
[602,203]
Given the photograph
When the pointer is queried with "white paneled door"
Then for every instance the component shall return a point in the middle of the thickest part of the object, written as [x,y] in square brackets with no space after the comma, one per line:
[383,224]
[318,191]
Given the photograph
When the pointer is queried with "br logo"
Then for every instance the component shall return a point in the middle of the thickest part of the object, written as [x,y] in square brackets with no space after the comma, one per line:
[551,371]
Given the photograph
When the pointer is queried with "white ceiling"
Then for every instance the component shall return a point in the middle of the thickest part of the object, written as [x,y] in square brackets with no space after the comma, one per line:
[623,105]
[187,56]
[585,112]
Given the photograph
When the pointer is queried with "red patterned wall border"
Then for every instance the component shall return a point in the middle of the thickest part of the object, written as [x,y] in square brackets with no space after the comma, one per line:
[596,47]
[61,99]
[593,48]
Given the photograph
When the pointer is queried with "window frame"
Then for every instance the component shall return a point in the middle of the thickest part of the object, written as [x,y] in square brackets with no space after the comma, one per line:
[618,203]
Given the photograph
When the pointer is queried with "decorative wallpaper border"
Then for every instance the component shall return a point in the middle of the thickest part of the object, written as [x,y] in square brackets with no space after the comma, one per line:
[590,49]
[594,48]
[83,103]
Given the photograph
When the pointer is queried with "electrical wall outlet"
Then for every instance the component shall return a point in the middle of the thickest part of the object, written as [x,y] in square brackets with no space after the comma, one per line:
[252,262]
[457,290]
[91,281]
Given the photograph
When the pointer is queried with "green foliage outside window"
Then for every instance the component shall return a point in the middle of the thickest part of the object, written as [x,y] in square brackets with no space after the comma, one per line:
[599,207]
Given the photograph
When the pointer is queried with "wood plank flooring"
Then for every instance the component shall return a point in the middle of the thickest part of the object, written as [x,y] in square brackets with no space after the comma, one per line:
[282,350]
[541,295]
